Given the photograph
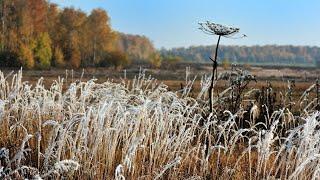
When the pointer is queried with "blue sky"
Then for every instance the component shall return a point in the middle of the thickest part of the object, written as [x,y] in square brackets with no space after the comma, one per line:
[173,23]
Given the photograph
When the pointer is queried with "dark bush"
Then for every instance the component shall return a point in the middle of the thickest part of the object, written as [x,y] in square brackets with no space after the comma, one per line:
[9,59]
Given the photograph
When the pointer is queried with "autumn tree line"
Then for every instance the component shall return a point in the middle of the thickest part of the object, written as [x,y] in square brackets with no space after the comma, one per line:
[36,34]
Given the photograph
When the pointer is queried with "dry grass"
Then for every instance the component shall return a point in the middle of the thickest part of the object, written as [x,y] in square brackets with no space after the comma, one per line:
[141,130]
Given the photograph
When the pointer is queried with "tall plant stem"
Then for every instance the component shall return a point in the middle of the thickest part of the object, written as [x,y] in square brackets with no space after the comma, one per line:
[318,96]
[214,74]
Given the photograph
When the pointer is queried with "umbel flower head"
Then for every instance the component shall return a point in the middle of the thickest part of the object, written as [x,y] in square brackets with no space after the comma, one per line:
[218,29]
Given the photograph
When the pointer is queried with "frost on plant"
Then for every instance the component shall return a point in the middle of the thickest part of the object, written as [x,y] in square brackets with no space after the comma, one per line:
[143,130]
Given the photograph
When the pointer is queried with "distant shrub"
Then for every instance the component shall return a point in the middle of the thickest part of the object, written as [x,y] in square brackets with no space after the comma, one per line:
[42,51]
[247,66]
[25,56]
[75,60]
[226,64]
[156,60]
[58,57]
[318,63]
[169,62]
[9,59]
[117,59]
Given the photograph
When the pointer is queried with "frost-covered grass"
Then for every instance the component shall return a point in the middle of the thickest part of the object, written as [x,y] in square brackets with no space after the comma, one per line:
[140,129]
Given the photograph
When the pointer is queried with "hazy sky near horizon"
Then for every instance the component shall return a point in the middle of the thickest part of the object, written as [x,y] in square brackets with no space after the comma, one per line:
[174,23]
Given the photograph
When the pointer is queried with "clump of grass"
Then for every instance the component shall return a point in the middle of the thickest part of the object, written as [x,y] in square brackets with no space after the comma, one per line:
[140,129]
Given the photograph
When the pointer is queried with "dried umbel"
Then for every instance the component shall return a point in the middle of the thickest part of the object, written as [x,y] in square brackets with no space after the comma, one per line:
[218,29]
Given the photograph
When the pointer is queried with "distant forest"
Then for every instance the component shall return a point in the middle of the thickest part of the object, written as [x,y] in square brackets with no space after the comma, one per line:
[259,55]
[37,34]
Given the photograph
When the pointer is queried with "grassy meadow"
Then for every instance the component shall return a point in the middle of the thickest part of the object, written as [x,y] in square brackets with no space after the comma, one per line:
[128,125]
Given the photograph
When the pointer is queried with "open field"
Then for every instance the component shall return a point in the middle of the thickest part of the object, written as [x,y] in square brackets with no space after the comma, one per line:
[139,129]
[175,78]
[176,75]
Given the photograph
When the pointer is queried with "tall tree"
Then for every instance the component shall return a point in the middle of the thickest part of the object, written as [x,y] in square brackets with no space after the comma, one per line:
[38,12]
[100,36]
[75,58]
[71,23]
[52,22]
[3,12]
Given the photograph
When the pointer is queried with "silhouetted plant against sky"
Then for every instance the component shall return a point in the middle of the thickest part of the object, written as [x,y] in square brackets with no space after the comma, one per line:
[219,30]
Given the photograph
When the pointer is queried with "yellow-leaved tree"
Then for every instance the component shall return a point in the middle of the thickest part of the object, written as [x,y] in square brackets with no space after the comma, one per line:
[42,51]
[25,56]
